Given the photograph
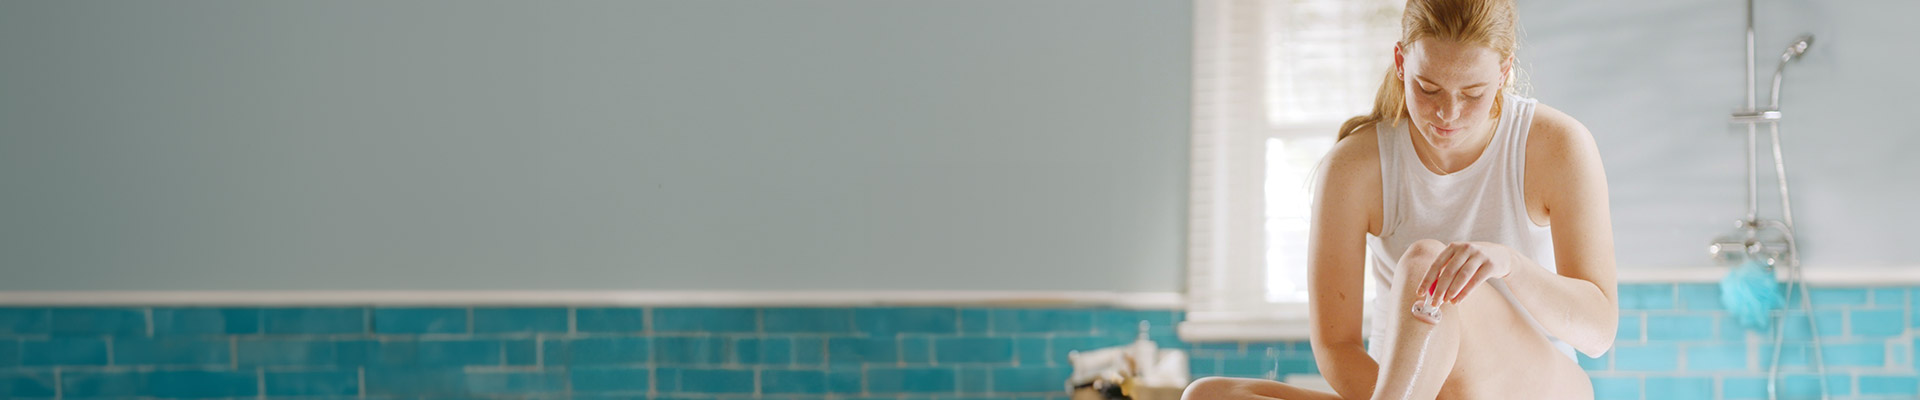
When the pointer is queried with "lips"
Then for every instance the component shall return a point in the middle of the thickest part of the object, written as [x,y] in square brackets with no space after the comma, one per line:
[1444,131]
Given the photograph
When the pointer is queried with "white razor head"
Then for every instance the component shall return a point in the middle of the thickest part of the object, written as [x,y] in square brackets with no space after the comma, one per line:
[1422,309]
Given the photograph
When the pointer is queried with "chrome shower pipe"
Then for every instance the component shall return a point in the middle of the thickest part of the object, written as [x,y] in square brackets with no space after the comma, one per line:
[1753,196]
[1794,52]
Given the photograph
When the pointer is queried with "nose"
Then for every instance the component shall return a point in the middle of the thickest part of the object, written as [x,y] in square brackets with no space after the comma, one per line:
[1448,110]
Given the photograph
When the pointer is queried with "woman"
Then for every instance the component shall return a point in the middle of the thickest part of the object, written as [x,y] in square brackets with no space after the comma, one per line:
[1453,183]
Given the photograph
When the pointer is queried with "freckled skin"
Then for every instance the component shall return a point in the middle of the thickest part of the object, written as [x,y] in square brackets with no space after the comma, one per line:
[1440,78]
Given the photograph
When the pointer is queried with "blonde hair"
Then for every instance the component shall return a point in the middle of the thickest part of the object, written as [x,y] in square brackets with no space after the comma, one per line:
[1484,22]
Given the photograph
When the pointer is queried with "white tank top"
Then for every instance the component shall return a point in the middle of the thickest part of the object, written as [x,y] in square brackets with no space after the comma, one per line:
[1483,202]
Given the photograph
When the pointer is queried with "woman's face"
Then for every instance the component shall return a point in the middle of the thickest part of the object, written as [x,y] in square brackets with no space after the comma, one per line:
[1450,88]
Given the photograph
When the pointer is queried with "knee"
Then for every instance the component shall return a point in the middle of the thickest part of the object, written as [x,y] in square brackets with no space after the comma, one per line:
[1212,387]
[1419,257]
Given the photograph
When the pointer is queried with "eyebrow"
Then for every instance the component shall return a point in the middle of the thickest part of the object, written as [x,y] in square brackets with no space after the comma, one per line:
[1417,76]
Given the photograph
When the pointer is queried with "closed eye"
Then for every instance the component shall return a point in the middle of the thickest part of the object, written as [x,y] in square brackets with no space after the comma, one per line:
[1424,82]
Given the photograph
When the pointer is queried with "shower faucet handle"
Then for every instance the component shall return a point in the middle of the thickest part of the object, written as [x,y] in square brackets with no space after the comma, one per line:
[1746,247]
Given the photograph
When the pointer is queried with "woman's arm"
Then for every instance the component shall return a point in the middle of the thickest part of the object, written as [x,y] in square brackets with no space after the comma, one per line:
[1574,309]
[1347,184]
[1579,304]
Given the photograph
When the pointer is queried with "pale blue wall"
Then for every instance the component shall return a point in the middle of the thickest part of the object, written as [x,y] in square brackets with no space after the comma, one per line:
[818,144]
[1654,80]
[687,144]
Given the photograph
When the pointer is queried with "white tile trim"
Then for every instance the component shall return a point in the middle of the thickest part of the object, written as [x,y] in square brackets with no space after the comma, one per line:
[1819,276]
[1140,300]
[1230,331]
[1815,275]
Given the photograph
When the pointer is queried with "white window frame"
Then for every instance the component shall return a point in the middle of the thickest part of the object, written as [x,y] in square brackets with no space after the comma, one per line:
[1227,271]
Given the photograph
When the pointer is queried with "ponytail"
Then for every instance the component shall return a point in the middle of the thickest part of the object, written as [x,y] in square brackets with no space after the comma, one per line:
[1388,106]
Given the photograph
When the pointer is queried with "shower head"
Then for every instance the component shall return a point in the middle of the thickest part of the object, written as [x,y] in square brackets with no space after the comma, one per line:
[1794,52]
[1798,48]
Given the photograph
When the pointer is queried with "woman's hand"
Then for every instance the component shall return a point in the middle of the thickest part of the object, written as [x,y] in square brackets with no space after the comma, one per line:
[1462,267]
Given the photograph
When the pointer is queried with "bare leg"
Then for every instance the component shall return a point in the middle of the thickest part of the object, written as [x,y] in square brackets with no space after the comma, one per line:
[1420,352]
[1225,388]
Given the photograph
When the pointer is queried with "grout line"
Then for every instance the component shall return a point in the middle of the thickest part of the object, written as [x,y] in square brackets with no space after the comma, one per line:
[989,389]
[1046,349]
[1679,357]
[567,390]
[989,323]
[1846,323]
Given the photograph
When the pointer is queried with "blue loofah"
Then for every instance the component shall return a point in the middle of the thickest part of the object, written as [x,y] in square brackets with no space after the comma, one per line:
[1751,294]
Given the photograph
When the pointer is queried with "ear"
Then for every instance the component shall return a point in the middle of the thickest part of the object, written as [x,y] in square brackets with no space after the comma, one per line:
[1506,69]
[1399,61]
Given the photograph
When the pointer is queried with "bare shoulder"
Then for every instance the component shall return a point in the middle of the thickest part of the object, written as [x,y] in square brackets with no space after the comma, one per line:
[1355,158]
[1347,186]
[1555,134]
[1561,153]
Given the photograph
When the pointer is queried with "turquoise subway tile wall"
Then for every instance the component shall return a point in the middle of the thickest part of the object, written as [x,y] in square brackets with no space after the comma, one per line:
[1674,342]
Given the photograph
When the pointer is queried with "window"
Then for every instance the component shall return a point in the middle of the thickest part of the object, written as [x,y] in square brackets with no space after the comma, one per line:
[1289,163]
[1273,80]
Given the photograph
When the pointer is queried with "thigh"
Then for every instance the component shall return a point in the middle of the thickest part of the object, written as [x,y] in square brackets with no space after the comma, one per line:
[1502,356]
[1228,388]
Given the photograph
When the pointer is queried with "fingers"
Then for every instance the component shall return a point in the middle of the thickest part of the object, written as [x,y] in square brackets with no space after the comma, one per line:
[1467,275]
[1427,283]
[1479,278]
[1449,272]
[1454,273]
[1435,272]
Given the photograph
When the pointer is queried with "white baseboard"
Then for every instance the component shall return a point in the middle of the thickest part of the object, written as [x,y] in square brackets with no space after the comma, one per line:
[1816,276]
[1314,382]
[1140,300]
